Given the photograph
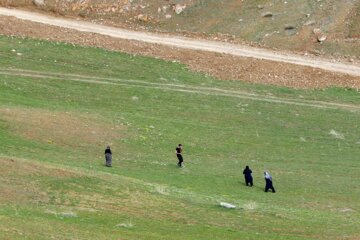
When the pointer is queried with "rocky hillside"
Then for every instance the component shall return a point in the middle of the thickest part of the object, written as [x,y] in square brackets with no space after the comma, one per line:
[321,27]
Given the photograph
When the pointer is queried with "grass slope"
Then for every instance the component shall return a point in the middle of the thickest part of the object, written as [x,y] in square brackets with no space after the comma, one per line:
[54,127]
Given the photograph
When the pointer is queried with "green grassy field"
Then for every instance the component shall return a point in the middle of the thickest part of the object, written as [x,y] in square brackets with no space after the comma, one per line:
[60,105]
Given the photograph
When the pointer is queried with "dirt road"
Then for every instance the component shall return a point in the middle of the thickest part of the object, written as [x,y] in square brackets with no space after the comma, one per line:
[186,43]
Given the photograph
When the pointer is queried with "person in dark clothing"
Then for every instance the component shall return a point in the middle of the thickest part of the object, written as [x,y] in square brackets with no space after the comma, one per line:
[178,151]
[248,178]
[268,182]
[108,156]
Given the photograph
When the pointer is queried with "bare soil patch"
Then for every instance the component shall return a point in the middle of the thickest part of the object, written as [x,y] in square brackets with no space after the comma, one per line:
[218,65]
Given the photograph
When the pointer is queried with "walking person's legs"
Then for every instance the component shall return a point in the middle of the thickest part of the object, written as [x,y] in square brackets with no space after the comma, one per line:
[180,158]
[248,181]
[267,185]
[108,159]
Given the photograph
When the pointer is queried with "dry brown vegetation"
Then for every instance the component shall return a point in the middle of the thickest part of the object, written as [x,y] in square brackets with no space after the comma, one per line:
[61,128]
[12,186]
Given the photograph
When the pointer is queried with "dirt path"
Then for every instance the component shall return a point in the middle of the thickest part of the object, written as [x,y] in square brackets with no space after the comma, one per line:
[186,43]
[177,88]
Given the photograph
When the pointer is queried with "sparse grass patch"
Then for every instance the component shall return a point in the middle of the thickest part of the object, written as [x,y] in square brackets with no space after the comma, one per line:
[61,128]
[354,26]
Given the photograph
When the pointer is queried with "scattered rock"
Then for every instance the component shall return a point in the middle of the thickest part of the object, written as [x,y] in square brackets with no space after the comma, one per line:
[62,214]
[178,8]
[317,31]
[167,16]
[320,36]
[125,225]
[39,3]
[336,134]
[224,67]
[289,27]
[309,23]
[267,14]
[260,6]
[142,18]
[227,205]
[68,214]
[134,98]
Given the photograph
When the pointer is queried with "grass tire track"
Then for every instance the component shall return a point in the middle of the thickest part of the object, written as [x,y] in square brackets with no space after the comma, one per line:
[177,88]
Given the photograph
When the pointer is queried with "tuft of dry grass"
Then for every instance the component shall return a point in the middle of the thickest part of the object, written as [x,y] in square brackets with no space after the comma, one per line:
[250,205]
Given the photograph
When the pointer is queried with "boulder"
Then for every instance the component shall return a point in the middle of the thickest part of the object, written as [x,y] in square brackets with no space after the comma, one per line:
[227,205]
[289,27]
[320,36]
[142,18]
[267,14]
[39,3]
[178,8]
[309,23]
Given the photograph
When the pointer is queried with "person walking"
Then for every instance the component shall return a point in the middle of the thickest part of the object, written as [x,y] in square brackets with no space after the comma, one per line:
[108,157]
[268,182]
[178,151]
[248,178]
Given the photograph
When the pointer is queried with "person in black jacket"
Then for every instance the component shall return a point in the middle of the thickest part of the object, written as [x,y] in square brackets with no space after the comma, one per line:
[108,157]
[178,152]
[248,178]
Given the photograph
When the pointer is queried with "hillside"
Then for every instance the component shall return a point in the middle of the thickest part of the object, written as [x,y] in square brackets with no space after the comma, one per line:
[66,93]
[286,25]
[61,104]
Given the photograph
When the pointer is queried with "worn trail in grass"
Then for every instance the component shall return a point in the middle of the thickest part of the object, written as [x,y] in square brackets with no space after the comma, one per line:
[178,88]
[53,133]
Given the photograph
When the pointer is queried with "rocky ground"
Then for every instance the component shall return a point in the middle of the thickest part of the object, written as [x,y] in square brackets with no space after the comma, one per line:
[319,27]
